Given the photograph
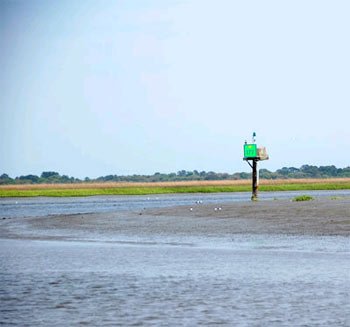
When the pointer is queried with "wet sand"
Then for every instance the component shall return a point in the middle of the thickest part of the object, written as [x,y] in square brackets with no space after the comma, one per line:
[318,217]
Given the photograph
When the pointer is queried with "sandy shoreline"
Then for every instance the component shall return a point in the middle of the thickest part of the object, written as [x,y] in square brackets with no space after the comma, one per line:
[318,217]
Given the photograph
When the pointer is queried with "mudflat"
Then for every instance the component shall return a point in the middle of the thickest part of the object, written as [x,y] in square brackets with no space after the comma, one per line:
[318,217]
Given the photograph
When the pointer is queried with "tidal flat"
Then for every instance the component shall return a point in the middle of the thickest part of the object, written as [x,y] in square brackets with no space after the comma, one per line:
[323,216]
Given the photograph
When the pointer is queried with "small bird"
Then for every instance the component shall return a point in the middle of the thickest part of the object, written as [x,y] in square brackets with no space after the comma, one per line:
[191,209]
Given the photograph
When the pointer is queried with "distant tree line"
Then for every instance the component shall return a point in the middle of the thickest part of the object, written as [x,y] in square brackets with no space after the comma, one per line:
[47,177]
[305,171]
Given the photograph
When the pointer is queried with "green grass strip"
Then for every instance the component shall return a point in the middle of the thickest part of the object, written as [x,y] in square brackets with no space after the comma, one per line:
[302,198]
[170,190]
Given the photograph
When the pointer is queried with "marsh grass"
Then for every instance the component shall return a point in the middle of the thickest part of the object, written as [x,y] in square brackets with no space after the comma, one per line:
[90,189]
[303,198]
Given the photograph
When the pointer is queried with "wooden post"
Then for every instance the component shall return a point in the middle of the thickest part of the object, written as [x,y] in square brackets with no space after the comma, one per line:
[255,184]
[254,154]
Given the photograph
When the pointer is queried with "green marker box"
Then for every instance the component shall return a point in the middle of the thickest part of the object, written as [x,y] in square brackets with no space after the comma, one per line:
[250,151]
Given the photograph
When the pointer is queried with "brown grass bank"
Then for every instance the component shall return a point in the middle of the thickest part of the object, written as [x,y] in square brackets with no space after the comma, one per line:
[107,185]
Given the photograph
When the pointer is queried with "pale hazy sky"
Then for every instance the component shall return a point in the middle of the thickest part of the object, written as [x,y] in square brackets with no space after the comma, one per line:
[91,88]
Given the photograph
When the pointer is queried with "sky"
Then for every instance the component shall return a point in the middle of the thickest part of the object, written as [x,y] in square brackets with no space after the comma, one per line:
[92,88]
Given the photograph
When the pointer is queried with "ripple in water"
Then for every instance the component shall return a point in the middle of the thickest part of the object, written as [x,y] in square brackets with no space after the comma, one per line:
[93,284]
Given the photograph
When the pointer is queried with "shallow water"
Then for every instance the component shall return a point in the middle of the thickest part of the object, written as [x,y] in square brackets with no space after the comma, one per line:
[49,283]
[170,280]
[42,206]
